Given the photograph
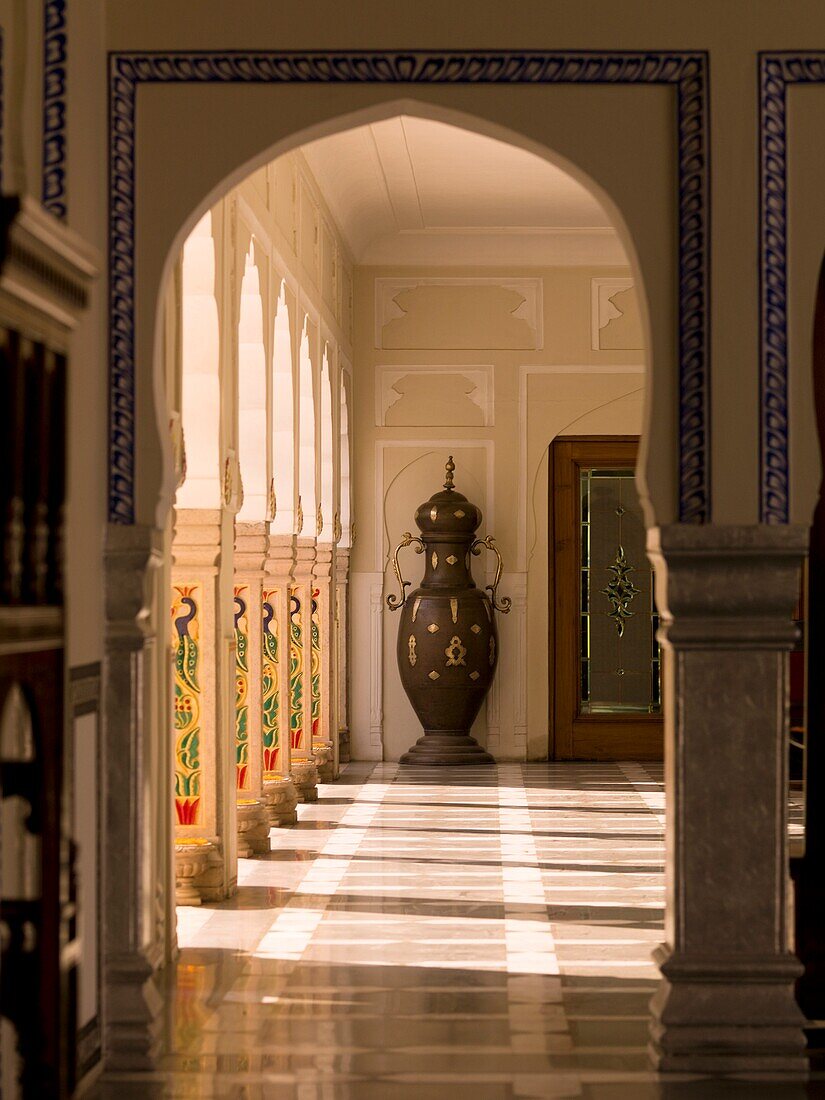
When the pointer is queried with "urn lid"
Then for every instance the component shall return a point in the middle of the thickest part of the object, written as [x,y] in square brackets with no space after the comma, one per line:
[448,512]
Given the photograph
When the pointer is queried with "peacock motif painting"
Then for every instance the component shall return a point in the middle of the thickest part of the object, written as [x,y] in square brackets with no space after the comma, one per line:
[315,663]
[185,633]
[270,692]
[242,687]
[296,671]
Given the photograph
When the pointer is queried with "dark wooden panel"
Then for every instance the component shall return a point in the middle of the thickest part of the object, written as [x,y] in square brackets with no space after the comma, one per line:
[574,736]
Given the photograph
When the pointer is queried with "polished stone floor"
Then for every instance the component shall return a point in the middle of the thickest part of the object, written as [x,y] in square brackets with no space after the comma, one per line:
[469,934]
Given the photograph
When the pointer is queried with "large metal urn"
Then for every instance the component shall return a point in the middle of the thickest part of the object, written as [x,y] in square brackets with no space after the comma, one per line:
[447,640]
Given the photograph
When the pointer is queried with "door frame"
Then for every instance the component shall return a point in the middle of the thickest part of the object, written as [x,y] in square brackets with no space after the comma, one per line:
[563,586]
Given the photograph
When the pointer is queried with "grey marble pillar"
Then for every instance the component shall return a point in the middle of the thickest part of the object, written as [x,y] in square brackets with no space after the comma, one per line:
[726,1003]
[134,868]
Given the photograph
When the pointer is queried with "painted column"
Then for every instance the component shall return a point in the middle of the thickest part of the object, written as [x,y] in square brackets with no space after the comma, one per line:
[279,791]
[325,703]
[203,703]
[251,543]
[304,772]
[726,1002]
[342,747]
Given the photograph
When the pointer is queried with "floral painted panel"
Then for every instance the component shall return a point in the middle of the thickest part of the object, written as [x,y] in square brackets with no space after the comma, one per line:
[271,696]
[186,610]
[315,669]
[296,671]
[242,687]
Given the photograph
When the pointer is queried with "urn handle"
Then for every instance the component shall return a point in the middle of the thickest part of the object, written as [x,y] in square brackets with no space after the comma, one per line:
[394,603]
[503,605]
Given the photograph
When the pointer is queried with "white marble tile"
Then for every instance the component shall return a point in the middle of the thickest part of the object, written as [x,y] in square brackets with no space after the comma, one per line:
[480,933]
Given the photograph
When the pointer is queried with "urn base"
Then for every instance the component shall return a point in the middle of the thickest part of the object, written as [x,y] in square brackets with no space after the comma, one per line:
[442,747]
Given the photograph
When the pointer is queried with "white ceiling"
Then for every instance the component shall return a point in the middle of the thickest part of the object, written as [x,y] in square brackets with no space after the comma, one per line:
[411,190]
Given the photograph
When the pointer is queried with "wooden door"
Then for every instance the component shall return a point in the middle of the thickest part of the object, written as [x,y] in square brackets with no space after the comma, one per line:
[605,662]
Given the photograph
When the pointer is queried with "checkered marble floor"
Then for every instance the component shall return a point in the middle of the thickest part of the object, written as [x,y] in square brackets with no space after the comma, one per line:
[464,933]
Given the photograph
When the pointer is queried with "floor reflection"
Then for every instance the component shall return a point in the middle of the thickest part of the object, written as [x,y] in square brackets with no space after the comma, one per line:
[435,933]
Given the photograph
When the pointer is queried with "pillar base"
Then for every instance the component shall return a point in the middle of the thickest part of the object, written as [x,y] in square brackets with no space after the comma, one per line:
[253,828]
[191,861]
[344,749]
[305,778]
[733,1017]
[323,753]
[438,747]
[134,1015]
[281,798]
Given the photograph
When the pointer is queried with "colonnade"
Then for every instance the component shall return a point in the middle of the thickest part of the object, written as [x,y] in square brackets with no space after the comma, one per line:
[258,389]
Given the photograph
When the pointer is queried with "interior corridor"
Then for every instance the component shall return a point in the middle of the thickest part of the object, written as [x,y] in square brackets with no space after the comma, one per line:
[481,933]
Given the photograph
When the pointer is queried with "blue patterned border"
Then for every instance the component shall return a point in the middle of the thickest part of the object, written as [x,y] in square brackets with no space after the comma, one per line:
[776,72]
[54,107]
[686,71]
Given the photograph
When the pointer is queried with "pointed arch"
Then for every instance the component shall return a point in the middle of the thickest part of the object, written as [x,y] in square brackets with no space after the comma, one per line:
[283,419]
[345,460]
[200,383]
[252,395]
[306,436]
[328,503]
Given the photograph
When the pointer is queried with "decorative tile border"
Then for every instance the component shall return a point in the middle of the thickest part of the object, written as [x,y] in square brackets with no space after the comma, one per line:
[687,72]
[54,107]
[776,72]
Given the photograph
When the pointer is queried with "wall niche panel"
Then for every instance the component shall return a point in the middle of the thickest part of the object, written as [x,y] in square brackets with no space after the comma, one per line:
[434,396]
[459,314]
[616,323]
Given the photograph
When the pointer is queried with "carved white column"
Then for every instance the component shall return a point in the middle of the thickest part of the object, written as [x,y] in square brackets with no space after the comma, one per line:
[726,1000]
[251,544]
[135,748]
[342,649]
[204,689]
[325,726]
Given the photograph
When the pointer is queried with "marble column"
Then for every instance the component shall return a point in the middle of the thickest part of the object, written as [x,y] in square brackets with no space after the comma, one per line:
[251,545]
[342,747]
[204,698]
[726,1004]
[134,868]
[325,703]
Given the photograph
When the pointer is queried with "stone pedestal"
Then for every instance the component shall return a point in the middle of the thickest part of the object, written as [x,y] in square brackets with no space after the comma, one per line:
[305,778]
[726,1001]
[253,827]
[281,799]
[191,861]
[322,752]
[344,746]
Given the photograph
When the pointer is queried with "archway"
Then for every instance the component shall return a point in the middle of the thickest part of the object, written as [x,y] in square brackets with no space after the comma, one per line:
[665,466]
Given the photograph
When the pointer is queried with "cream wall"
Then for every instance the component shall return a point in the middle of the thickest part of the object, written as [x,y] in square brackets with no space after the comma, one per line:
[521,398]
